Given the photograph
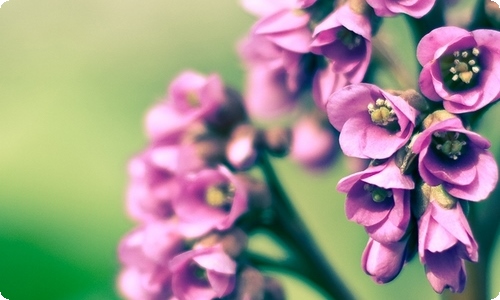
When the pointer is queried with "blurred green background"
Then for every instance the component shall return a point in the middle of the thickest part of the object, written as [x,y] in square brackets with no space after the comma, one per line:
[76,78]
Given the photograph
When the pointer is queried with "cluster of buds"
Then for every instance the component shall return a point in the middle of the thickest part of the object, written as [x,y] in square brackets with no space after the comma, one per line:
[426,163]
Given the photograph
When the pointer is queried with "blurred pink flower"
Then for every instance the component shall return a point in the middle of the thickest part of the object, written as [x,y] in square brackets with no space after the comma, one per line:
[389,8]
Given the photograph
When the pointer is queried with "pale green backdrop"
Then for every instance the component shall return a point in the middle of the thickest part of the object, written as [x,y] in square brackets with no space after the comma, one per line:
[75,80]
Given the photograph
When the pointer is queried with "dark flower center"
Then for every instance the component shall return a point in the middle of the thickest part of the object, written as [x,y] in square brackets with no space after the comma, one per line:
[460,70]
[449,143]
[220,195]
[350,39]
[383,115]
[378,194]
[198,275]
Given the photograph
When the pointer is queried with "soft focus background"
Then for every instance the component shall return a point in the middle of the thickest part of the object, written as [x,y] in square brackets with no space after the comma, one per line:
[76,78]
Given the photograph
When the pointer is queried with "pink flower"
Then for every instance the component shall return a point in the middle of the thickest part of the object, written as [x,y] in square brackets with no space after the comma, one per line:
[191,97]
[379,199]
[344,37]
[209,199]
[444,241]
[389,8]
[456,158]
[387,121]
[203,273]
[460,67]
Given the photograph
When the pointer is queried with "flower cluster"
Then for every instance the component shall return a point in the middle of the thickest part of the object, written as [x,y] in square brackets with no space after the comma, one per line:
[190,242]
[308,66]
[426,163]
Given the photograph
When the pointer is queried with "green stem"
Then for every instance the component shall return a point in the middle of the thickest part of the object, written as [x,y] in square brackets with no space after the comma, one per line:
[288,226]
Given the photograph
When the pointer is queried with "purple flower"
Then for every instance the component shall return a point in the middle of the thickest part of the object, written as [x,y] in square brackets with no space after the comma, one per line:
[344,37]
[203,273]
[209,199]
[456,158]
[383,262]
[389,8]
[379,199]
[372,123]
[191,97]
[444,241]
[460,67]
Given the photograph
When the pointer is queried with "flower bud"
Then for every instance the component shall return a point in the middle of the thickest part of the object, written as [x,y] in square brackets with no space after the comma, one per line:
[230,113]
[277,141]
[241,149]
[234,241]
[436,117]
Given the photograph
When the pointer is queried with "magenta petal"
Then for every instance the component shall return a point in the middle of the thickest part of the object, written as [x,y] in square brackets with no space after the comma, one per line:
[462,171]
[426,84]
[361,138]
[485,183]
[296,41]
[284,20]
[222,284]
[445,270]
[431,42]
[343,101]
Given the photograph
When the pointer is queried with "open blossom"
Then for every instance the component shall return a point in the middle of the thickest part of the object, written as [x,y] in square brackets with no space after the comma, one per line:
[191,97]
[389,8]
[445,240]
[209,199]
[387,121]
[460,67]
[344,37]
[379,199]
[203,273]
[456,158]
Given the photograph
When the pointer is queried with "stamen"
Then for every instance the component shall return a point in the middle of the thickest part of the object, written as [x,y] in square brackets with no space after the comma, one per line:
[382,114]
[449,143]
[220,195]
[460,69]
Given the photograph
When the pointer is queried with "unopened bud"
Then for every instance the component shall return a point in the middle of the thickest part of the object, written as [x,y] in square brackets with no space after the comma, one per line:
[277,141]
[436,117]
[234,241]
[415,99]
[229,114]
[426,194]
[259,196]
[241,149]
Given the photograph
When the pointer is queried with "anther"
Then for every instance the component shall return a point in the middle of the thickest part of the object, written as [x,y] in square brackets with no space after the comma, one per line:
[453,70]
[465,54]
[475,51]
[456,54]
[475,69]
[472,62]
